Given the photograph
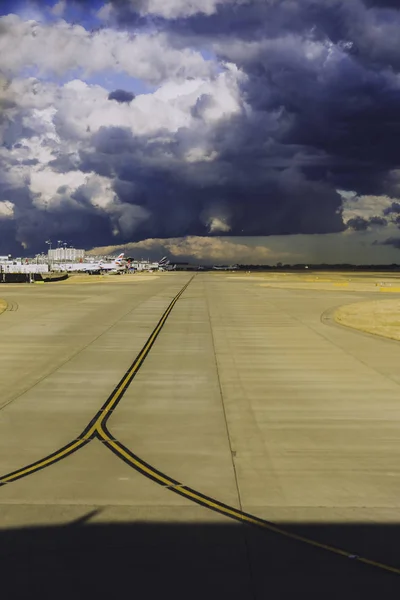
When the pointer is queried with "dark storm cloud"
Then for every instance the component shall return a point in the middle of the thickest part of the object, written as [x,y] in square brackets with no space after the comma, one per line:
[121,96]
[87,163]
[393,241]
[382,3]
[357,224]
[394,208]
[362,224]
[378,221]
[245,185]
[372,33]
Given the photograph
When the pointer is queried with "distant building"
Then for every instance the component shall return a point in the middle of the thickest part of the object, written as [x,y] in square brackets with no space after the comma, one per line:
[66,254]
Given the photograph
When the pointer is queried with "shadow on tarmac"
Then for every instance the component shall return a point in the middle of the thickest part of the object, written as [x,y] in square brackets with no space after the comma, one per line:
[193,561]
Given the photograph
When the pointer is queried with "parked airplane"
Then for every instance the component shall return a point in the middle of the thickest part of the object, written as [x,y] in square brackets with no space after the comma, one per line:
[116,266]
[86,267]
[165,265]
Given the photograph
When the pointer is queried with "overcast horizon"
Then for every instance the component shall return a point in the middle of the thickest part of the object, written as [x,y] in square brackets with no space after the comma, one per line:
[240,131]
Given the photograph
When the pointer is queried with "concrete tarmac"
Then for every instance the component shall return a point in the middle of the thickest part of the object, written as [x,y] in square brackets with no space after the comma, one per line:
[249,395]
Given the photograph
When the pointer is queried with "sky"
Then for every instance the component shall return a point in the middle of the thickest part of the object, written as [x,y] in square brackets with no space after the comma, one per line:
[215,130]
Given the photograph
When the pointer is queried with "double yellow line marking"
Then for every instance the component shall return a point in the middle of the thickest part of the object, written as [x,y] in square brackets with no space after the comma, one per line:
[94,428]
[44,462]
[231,512]
[97,428]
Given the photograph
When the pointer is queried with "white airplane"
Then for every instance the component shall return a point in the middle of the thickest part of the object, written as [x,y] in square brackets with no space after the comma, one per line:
[76,267]
[116,266]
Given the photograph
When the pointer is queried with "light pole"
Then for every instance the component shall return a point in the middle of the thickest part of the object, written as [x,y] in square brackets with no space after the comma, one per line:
[48,242]
[59,254]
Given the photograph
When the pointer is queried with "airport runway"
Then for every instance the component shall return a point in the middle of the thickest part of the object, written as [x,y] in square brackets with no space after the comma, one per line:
[242,399]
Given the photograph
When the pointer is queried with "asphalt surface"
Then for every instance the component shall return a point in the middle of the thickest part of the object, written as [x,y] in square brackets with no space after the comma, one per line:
[158,430]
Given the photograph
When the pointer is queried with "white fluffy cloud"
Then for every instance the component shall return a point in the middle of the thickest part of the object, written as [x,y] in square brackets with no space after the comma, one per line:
[77,110]
[215,224]
[6,209]
[44,183]
[366,206]
[61,47]
[58,9]
[77,106]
